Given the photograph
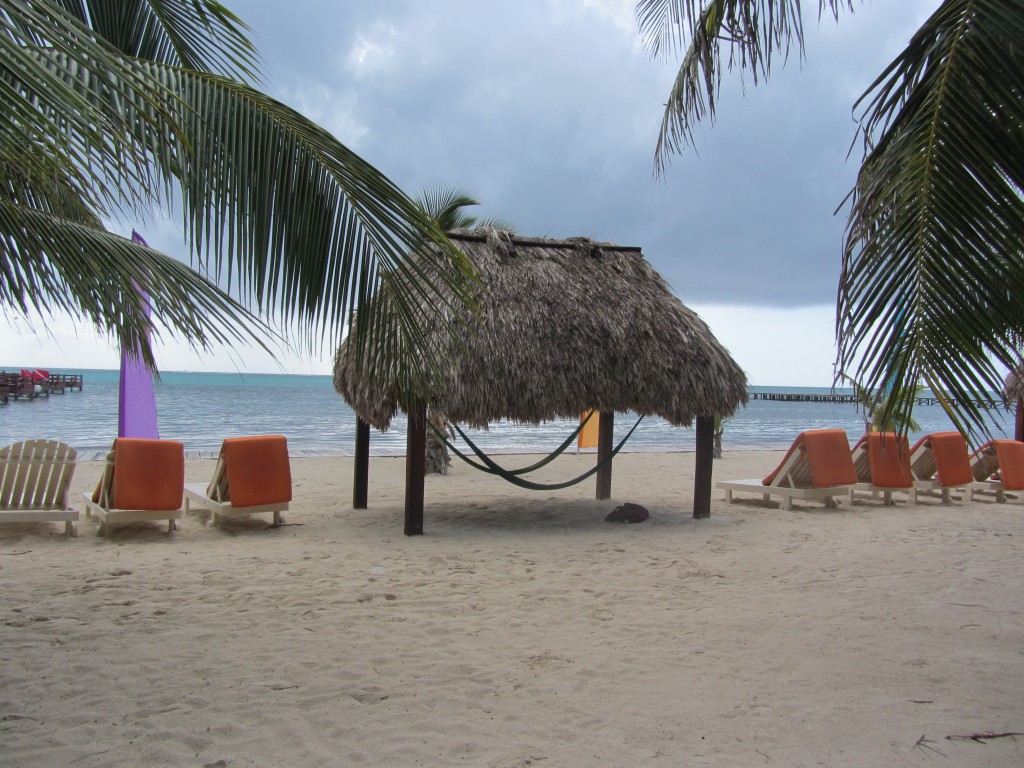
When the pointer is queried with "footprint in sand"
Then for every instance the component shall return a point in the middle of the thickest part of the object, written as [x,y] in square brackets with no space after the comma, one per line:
[369,695]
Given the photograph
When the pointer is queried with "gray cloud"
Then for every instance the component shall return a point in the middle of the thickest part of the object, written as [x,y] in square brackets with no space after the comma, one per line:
[548,112]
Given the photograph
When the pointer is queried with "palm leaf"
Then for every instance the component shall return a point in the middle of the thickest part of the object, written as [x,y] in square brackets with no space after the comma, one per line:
[932,269]
[752,32]
[306,217]
[60,111]
[196,34]
[277,210]
[57,265]
[444,205]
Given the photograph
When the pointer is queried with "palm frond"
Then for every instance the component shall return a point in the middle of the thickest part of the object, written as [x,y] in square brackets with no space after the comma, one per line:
[196,34]
[62,109]
[53,265]
[444,204]
[752,32]
[281,210]
[34,178]
[932,270]
[276,209]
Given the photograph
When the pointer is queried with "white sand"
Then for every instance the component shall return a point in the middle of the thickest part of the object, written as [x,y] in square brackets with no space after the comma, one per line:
[521,630]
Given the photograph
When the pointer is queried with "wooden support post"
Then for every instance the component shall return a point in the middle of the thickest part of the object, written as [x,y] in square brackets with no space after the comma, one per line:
[361,481]
[704,463]
[415,465]
[605,435]
[1019,432]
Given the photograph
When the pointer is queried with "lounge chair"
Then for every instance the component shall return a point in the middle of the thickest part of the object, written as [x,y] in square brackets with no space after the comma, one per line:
[997,467]
[882,463]
[252,475]
[143,479]
[818,467]
[34,479]
[939,462]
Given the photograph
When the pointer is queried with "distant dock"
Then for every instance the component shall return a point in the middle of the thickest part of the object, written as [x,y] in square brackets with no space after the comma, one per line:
[28,385]
[803,397]
[810,397]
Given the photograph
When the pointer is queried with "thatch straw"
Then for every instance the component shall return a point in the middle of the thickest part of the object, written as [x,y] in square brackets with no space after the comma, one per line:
[1013,388]
[566,325]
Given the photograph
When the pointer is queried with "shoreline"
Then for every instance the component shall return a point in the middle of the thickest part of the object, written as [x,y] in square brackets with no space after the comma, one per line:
[520,630]
[88,455]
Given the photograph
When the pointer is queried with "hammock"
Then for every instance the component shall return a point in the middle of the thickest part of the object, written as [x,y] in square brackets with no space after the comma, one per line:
[525,470]
[512,476]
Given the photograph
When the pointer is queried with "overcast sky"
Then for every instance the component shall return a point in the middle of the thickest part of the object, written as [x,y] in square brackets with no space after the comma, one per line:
[548,112]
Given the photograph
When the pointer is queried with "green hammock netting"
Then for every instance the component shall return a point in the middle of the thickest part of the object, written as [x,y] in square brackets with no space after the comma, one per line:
[525,470]
[512,476]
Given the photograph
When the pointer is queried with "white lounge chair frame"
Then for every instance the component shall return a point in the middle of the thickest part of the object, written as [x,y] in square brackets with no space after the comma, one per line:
[200,496]
[984,464]
[790,483]
[35,476]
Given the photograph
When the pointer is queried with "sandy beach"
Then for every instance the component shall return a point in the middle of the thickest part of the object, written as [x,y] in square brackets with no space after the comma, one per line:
[521,630]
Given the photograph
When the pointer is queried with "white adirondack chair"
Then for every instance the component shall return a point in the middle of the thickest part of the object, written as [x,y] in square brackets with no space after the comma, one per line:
[34,479]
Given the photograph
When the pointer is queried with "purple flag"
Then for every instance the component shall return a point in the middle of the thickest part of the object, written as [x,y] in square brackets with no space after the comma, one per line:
[136,410]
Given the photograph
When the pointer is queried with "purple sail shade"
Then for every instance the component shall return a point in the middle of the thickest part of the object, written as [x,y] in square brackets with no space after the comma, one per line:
[136,410]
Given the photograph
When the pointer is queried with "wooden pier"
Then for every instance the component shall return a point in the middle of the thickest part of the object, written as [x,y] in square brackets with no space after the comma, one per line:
[803,397]
[810,397]
[17,386]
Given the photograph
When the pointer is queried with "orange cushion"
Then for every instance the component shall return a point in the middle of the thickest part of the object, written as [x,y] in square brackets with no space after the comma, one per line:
[1011,464]
[828,452]
[889,459]
[828,456]
[952,463]
[257,470]
[148,474]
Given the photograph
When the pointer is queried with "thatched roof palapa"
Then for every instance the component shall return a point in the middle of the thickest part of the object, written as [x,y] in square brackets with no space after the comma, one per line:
[565,326]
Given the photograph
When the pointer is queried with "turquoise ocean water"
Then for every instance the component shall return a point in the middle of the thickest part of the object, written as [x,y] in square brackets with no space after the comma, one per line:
[201,409]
